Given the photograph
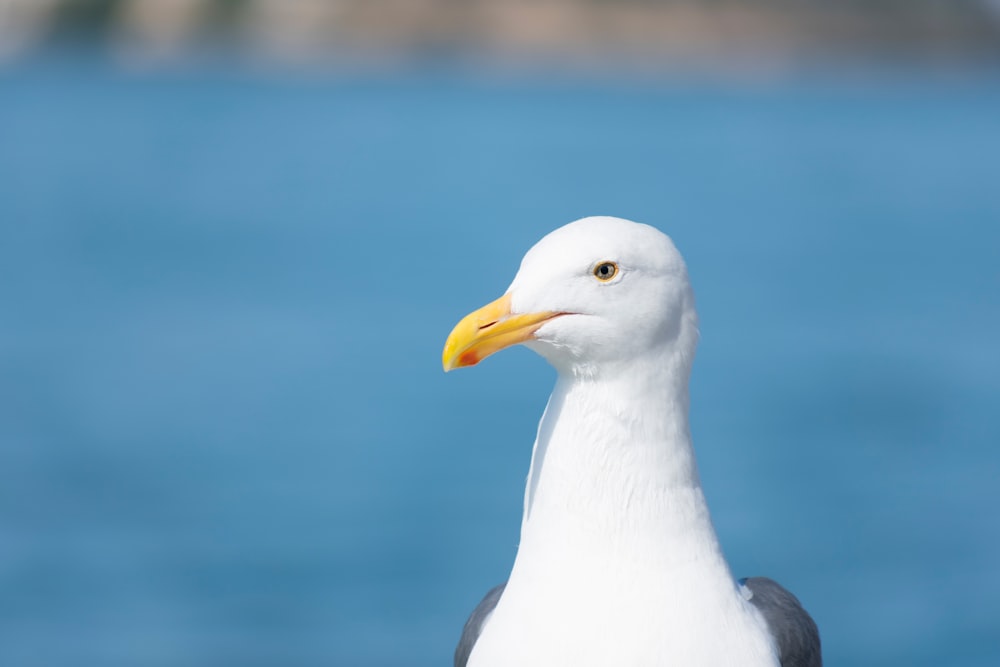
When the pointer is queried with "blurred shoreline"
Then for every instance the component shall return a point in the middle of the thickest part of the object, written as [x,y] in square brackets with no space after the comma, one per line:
[664,34]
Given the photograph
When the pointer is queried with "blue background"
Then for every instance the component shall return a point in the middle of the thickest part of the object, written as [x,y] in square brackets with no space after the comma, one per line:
[225,437]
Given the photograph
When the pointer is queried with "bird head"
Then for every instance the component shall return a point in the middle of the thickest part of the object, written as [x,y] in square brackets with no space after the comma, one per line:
[598,293]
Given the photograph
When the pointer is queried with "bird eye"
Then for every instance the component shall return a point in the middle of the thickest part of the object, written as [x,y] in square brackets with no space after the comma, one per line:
[605,271]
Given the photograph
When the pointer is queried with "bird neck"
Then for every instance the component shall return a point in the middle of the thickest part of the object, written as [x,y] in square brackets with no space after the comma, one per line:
[613,469]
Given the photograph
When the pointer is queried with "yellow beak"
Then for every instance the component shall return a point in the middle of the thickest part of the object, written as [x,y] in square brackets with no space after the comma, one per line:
[488,330]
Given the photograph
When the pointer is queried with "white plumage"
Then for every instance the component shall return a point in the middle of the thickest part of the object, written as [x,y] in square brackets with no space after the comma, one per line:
[618,562]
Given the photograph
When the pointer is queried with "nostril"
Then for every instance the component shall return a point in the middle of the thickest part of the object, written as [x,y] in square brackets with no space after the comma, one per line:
[488,325]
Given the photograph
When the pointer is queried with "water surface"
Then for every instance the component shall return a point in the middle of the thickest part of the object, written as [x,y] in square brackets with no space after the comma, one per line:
[225,438]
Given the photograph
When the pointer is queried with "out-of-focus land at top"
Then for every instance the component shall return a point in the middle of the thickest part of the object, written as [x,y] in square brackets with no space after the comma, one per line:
[664,32]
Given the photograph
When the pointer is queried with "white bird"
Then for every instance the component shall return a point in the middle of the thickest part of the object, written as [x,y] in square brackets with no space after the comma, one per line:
[618,564]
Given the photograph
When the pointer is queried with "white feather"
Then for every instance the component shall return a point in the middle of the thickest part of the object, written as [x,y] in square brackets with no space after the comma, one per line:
[618,563]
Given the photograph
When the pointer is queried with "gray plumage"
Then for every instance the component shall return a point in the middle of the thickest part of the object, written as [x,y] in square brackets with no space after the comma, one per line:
[795,633]
[474,626]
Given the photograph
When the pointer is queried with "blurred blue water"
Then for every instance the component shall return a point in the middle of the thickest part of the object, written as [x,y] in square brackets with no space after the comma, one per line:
[225,438]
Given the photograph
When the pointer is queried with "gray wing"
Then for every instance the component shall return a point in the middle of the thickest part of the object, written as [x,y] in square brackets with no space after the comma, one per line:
[474,626]
[795,633]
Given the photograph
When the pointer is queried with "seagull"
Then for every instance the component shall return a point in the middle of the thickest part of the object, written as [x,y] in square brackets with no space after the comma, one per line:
[618,563]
